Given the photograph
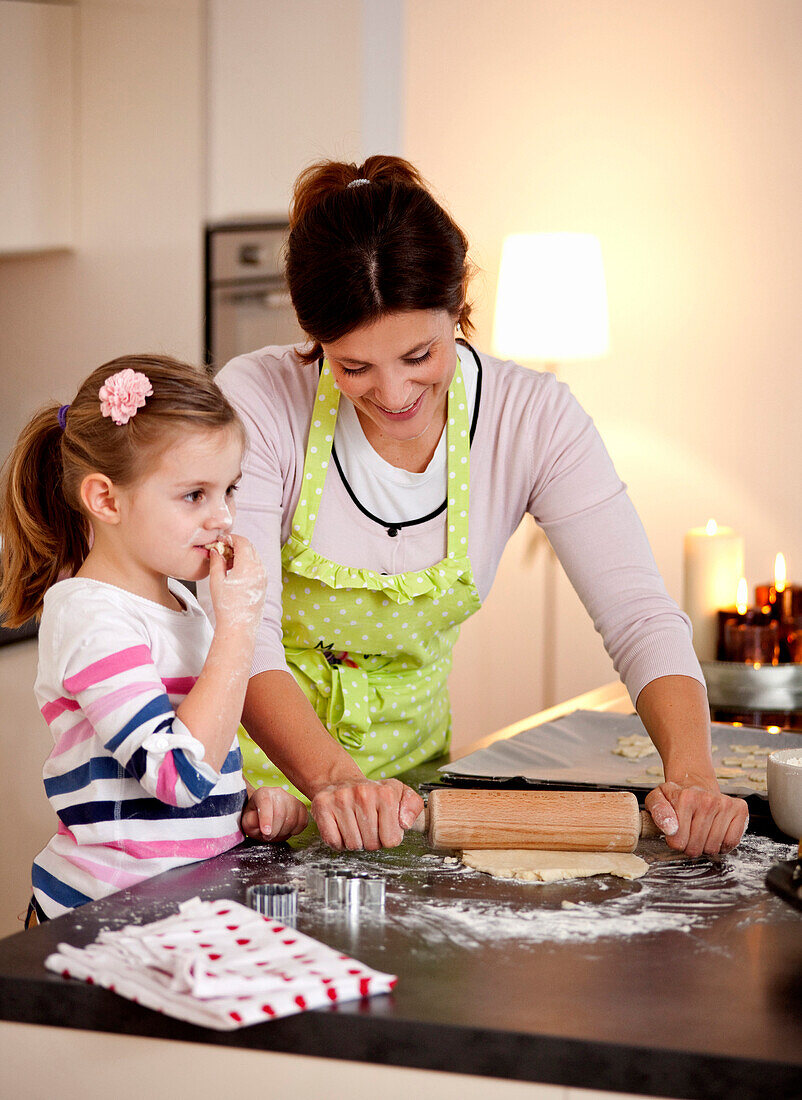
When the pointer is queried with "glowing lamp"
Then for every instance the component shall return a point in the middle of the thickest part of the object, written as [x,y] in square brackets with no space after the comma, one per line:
[551,303]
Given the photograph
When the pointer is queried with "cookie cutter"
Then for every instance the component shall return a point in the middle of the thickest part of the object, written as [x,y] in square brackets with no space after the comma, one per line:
[351,890]
[272,900]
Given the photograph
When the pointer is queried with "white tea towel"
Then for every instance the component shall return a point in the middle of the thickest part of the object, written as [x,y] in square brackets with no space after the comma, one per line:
[219,964]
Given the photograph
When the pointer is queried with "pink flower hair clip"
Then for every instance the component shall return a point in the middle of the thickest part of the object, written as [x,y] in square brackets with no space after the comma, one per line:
[123,393]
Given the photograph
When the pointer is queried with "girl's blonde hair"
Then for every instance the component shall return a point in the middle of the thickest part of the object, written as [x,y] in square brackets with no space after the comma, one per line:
[45,532]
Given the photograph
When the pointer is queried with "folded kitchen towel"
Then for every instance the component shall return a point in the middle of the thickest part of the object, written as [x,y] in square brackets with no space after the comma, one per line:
[221,965]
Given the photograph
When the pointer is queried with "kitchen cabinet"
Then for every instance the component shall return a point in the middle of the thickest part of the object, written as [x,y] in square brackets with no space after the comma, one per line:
[36,126]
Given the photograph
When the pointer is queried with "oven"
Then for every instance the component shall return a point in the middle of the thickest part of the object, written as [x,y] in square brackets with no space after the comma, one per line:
[247,301]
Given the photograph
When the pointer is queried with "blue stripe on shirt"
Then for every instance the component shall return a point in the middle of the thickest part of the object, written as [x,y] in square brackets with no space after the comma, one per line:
[139,762]
[233,762]
[56,889]
[150,809]
[160,705]
[197,784]
[98,767]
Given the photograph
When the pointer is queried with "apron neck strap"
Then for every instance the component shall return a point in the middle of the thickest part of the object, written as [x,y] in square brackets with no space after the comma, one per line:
[321,440]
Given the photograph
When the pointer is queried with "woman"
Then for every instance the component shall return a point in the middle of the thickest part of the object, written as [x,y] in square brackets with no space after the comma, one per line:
[388,466]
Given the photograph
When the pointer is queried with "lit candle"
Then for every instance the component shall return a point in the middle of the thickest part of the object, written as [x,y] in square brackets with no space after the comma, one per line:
[781,600]
[714,563]
[753,638]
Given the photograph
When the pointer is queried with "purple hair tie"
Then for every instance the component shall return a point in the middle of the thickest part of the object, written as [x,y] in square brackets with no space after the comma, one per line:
[62,417]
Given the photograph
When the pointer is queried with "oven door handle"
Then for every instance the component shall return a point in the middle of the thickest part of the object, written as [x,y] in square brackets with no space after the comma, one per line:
[273,299]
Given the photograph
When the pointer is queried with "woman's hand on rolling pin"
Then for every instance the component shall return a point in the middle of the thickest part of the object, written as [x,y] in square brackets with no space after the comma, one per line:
[273,814]
[697,818]
[365,813]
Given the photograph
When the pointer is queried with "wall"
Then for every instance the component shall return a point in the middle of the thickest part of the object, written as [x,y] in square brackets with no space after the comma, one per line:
[673,132]
[291,82]
[283,89]
[133,282]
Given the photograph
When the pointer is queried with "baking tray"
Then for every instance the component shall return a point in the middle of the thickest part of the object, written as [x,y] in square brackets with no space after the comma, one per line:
[575,753]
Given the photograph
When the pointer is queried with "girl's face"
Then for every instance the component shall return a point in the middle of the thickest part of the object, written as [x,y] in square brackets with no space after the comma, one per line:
[396,372]
[184,502]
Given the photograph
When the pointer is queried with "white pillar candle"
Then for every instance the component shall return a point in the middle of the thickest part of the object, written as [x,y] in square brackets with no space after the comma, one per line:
[714,563]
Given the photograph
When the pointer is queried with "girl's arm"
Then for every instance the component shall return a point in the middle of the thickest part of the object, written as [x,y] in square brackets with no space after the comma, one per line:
[212,709]
[689,807]
[351,811]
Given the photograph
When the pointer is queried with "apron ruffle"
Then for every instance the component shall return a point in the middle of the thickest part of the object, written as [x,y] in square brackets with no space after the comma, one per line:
[401,588]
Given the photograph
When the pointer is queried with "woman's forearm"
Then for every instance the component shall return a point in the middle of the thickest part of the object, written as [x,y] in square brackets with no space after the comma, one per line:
[283,723]
[674,710]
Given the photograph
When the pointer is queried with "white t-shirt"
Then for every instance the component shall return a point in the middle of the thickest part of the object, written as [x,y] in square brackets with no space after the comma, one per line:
[388,492]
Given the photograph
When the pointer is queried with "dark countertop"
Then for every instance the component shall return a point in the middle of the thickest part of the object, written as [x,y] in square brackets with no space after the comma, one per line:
[687,983]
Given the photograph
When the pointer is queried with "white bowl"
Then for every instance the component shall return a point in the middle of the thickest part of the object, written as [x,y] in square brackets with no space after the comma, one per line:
[785,790]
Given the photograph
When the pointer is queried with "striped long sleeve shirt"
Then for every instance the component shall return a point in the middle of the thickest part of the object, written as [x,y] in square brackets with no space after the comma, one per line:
[127,780]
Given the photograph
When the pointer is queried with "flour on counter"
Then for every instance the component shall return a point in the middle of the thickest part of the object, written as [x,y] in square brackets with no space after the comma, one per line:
[435,901]
[677,895]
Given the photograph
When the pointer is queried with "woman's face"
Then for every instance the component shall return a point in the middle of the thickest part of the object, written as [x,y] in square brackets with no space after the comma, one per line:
[396,372]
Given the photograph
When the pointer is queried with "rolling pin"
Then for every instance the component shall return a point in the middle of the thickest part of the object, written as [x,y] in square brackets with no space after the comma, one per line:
[570,821]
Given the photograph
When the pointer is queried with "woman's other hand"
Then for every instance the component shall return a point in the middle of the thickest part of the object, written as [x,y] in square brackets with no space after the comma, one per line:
[696,818]
[365,813]
[273,814]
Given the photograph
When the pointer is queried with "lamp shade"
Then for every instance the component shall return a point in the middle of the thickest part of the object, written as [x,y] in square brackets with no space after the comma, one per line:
[551,303]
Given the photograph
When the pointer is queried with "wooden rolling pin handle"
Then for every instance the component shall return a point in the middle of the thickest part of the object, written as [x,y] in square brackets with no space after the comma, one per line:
[648,828]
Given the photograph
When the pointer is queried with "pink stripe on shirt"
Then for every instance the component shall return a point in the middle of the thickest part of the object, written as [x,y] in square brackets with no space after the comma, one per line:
[106,667]
[114,875]
[195,848]
[198,848]
[167,780]
[98,710]
[57,707]
[81,731]
[179,685]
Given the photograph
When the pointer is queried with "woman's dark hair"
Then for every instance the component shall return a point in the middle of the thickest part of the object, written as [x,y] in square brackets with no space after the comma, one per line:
[45,532]
[358,252]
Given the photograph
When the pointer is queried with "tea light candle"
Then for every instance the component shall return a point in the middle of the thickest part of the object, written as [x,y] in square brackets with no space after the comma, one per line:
[753,638]
[730,614]
[793,640]
[714,563]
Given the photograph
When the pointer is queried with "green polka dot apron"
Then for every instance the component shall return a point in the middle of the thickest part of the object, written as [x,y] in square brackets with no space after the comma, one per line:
[372,651]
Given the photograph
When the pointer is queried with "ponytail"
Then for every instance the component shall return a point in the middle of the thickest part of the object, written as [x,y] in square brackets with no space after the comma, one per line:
[45,532]
[368,240]
[42,535]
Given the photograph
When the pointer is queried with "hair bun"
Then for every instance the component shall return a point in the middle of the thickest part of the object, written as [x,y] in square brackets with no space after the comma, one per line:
[328,177]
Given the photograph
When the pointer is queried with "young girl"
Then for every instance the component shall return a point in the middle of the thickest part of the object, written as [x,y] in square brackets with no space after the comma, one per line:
[128,487]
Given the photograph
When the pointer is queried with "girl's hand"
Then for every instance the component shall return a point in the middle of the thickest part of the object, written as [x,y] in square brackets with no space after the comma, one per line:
[696,818]
[273,814]
[237,590]
[364,813]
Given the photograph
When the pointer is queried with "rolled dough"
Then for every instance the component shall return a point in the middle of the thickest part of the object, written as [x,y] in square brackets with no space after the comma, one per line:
[532,866]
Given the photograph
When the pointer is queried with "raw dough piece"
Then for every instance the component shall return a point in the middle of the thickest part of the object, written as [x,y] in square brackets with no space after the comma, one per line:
[740,761]
[634,747]
[729,773]
[655,769]
[224,549]
[532,866]
[746,750]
